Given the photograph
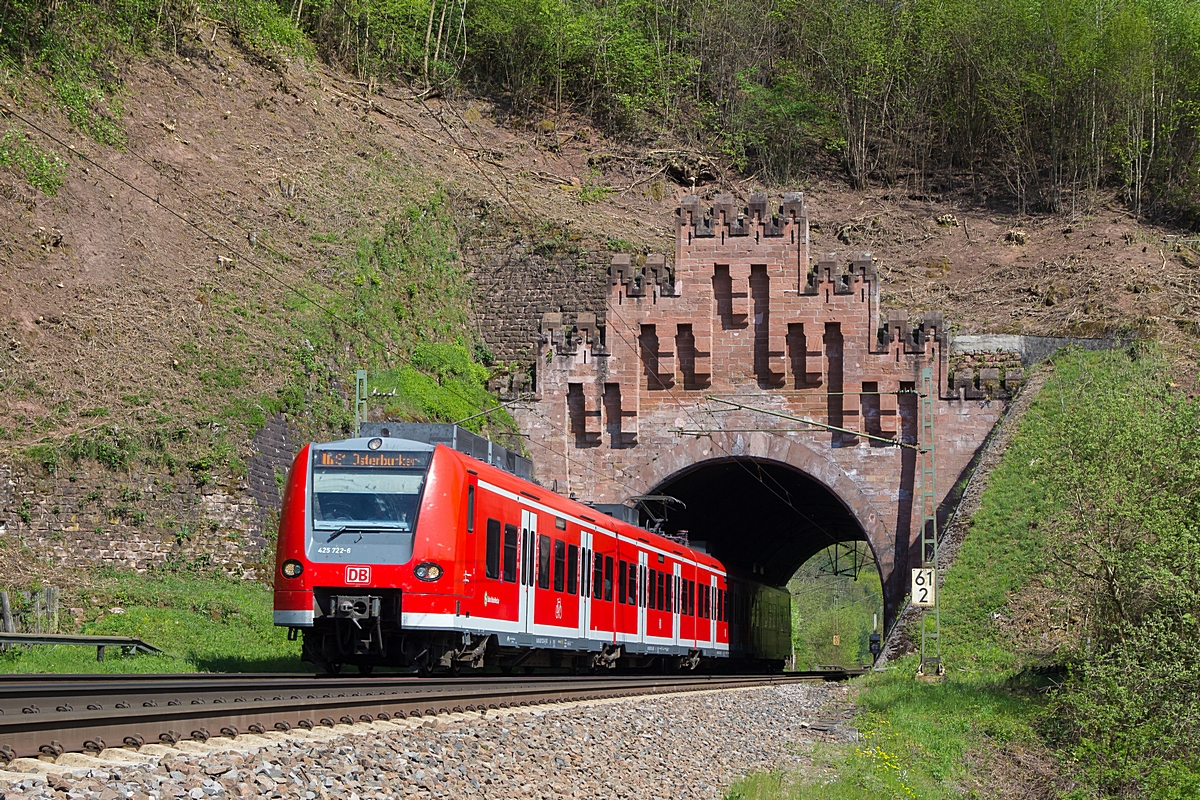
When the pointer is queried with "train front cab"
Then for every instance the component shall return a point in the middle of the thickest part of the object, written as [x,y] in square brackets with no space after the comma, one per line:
[367,532]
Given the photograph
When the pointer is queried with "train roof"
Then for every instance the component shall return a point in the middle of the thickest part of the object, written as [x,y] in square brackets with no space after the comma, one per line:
[574,508]
[507,480]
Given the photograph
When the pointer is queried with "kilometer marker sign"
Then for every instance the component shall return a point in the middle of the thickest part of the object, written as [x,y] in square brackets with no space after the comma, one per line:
[924,586]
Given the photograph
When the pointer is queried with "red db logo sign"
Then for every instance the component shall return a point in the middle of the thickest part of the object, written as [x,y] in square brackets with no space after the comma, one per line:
[358,574]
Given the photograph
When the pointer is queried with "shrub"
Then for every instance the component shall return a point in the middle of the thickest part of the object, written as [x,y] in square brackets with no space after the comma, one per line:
[41,170]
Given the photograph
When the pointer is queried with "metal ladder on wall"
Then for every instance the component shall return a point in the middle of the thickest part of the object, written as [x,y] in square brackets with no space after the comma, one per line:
[931,640]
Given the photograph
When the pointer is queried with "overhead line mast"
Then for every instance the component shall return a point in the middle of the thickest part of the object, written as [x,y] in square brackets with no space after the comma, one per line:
[925,592]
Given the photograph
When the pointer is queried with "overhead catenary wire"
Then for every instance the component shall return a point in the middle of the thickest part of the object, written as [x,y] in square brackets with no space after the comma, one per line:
[255,265]
[785,497]
[272,276]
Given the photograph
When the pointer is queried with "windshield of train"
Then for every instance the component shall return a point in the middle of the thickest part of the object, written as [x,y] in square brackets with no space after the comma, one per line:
[365,504]
[371,498]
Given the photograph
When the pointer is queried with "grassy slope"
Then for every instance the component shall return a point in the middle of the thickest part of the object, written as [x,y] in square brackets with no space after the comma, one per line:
[953,739]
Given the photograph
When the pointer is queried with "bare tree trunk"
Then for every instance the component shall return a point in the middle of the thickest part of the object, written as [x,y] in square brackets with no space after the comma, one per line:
[437,51]
[428,35]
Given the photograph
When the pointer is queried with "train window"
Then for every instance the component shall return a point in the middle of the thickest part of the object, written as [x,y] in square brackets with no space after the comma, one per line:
[527,559]
[650,583]
[598,576]
[572,568]
[608,578]
[622,578]
[543,567]
[470,509]
[585,565]
[583,571]
[662,584]
[705,596]
[692,598]
[560,565]
[492,560]
[670,606]
[633,592]
[510,553]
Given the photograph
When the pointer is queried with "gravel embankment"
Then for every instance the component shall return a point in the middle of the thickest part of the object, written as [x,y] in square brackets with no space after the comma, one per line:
[678,746]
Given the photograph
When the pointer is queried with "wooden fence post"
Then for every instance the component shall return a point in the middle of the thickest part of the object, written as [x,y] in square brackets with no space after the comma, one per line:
[6,617]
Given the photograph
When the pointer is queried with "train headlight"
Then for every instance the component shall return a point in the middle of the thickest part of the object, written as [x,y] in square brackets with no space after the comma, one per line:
[291,568]
[428,571]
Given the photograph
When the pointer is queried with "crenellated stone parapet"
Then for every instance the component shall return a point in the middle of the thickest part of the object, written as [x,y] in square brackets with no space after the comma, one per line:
[745,311]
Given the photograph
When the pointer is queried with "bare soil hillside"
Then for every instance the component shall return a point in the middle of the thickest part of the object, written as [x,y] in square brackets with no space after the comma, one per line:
[107,287]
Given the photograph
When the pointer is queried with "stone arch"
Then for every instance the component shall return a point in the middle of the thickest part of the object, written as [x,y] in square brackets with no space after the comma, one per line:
[767,447]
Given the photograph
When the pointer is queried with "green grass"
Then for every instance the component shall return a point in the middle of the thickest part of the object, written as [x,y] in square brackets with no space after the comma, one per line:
[202,624]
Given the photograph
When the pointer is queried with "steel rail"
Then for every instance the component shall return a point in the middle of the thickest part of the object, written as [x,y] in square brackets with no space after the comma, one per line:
[19,691]
[306,702]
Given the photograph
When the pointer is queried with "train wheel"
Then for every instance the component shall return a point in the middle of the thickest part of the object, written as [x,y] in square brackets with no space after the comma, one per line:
[455,669]
[365,669]
[330,667]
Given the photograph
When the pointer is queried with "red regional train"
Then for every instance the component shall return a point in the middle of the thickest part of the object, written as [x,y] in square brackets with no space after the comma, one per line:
[394,552]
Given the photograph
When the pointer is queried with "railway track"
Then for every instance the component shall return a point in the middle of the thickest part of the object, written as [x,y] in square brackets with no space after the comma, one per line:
[48,715]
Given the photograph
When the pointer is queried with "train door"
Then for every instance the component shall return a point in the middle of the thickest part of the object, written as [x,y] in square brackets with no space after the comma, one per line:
[585,582]
[476,545]
[713,602]
[675,581]
[702,626]
[643,598]
[528,567]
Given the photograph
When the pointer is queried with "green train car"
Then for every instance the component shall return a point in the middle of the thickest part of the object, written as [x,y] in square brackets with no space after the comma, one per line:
[760,629]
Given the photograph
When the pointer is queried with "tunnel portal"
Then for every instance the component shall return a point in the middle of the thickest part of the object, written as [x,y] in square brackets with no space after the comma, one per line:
[760,516]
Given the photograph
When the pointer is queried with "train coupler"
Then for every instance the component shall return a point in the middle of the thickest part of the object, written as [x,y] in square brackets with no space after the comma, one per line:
[690,661]
[356,608]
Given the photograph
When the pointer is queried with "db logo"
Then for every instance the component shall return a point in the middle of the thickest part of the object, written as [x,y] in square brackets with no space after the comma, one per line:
[558,610]
[358,574]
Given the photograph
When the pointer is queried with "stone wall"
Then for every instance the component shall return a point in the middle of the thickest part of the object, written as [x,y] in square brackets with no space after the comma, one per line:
[85,515]
[518,283]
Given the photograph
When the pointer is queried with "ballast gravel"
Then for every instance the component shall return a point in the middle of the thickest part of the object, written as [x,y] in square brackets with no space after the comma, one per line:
[669,746]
